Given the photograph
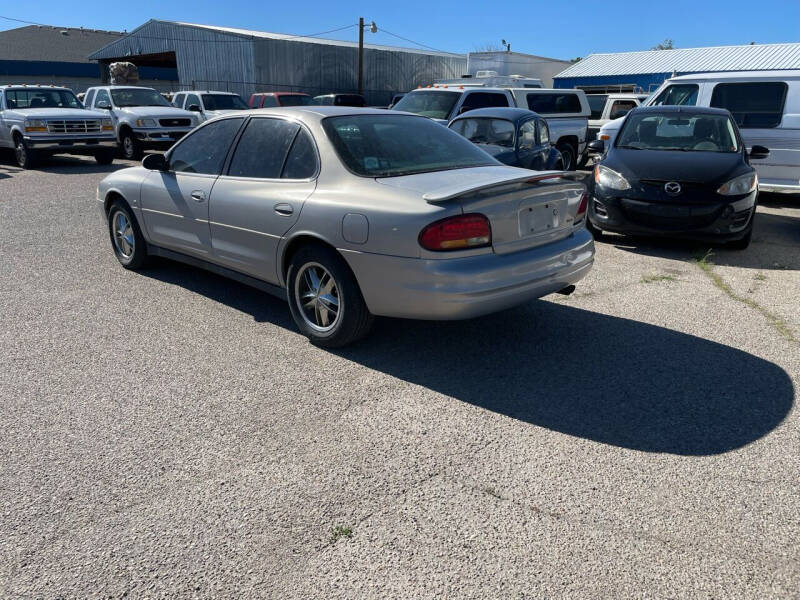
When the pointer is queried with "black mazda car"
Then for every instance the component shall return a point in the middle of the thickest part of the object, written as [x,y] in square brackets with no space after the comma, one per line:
[680,171]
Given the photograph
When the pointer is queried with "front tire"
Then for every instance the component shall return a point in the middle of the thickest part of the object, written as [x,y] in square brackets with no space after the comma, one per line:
[24,156]
[324,298]
[127,240]
[131,149]
[743,243]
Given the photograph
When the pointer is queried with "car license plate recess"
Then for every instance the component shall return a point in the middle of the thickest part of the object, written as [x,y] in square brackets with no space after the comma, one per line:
[542,217]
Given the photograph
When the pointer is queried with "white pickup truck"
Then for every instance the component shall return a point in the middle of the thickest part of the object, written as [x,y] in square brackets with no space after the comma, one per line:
[37,120]
[142,117]
[208,105]
[566,111]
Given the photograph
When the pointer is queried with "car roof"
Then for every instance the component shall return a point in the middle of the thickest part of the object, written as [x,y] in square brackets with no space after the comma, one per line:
[317,113]
[785,75]
[461,88]
[509,114]
[697,110]
[281,94]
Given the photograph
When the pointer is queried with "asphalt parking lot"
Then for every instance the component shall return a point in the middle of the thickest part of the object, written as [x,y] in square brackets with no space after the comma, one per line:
[168,433]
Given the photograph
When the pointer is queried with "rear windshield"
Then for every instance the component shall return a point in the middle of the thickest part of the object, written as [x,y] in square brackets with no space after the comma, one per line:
[392,145]
[554,103]
[223,102]
[597,103]
[434,105]
[41,99]
[679,132]
[296,100]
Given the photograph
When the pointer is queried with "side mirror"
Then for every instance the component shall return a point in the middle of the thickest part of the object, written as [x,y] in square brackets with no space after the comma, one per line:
[464,109]
[758,152]
[194,108]
[103,105]
[155,162]
[598,146]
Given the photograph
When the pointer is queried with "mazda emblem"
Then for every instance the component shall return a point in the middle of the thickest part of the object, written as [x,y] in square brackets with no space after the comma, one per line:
[673,188]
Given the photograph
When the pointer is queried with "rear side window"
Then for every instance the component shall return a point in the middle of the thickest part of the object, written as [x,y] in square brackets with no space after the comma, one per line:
[684,94]
[620,108]
[544,132]
[102,96]
[87,101]
[483,100]
[597,103]
[262,150]
[204,150]
[302,160]
[178,100]
[554,103]
[752,104]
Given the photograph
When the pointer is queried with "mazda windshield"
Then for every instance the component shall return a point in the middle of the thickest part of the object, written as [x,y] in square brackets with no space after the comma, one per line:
[685,132]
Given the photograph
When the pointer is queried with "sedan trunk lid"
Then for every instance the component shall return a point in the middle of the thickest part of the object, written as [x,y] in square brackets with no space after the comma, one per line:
[525,208]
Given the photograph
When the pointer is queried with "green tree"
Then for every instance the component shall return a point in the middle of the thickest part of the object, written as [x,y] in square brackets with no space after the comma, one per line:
[665,45]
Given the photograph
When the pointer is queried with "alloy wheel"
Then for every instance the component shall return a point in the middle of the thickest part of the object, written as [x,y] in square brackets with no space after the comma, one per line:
[123,234]
[20,154]
[317,297]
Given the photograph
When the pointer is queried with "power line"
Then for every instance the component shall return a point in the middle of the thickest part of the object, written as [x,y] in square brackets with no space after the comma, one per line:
[384,30]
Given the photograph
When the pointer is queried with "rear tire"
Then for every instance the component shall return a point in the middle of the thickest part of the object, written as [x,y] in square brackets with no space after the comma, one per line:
[568,155]
[127,240]
[24,156]
[324,298]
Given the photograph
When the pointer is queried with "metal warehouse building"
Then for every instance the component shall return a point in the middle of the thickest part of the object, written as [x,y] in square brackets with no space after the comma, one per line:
[244,61]
[635,71]
[59,56]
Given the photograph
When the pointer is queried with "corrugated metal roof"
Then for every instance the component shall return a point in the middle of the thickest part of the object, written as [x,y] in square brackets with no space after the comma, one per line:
[312,40]
[760,57]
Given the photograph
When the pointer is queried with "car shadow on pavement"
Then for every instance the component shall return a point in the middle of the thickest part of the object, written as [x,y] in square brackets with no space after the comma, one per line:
[65,165]
[590,375]
[260,305]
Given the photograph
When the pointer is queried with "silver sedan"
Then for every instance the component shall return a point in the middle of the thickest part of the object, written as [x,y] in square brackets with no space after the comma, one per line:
[350,213]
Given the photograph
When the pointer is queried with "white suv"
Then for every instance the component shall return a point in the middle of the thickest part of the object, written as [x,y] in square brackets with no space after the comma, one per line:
[142,117]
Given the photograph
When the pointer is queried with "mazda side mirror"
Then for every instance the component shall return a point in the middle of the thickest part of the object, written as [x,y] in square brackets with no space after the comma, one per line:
[194,108]
[758,152]
[598,146]
[155,162]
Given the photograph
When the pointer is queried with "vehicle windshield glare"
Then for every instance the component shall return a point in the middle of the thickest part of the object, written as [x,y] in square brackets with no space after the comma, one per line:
[39,98]
[296,100]
[223,102]
[431,104]
[137,97]
[497,132]
[679,131]
[393,145]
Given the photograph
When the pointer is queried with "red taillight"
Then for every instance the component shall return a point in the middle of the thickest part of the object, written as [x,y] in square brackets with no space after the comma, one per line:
[582,206]
[457,233]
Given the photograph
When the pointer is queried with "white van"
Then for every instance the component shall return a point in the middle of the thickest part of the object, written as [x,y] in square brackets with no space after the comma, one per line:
[765,105]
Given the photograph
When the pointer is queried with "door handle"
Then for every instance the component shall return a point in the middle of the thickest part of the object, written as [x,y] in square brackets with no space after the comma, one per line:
[284,209]
[199,196]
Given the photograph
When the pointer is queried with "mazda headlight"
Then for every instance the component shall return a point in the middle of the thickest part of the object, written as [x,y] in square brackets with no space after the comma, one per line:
[35,125]
[605,177]
[145,123]
[744,184]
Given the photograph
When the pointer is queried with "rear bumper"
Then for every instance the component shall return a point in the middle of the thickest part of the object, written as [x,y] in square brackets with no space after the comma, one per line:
[462,288]
[71,144]
[719,220]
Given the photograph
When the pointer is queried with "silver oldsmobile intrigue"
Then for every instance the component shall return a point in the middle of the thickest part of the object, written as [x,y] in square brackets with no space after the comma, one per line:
[350,213]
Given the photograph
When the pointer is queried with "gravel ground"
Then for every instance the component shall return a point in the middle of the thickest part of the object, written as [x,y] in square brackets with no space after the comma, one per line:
[168,433]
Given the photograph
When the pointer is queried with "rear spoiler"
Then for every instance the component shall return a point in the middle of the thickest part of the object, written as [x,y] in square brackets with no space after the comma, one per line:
[453,191]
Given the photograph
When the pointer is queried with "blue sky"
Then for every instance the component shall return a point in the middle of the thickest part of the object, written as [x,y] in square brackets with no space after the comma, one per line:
[555,29]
